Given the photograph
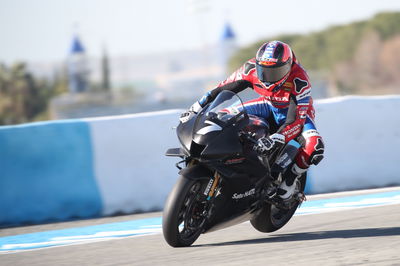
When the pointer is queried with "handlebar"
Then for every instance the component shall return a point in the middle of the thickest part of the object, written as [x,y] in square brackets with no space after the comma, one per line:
[248,136]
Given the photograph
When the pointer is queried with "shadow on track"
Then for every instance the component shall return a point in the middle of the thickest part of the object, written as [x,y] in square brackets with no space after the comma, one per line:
[353,233]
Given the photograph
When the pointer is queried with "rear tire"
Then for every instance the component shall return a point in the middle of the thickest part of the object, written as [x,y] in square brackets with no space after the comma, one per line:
[271,218]
[183,215]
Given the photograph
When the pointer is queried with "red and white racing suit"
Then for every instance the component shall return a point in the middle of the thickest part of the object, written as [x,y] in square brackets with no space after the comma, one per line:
[290,106]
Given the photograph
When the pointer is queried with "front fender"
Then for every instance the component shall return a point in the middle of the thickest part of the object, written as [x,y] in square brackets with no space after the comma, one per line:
[197,171]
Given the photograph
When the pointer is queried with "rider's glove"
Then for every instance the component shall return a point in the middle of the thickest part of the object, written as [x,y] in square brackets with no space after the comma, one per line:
[205,99]
[195,108]
[266,146]
[187,115]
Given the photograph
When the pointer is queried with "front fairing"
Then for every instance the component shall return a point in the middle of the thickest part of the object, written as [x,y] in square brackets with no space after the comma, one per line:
[213,133]
[185,133]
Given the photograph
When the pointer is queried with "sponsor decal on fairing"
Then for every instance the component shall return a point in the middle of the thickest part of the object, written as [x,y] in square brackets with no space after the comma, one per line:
[212,127]
[244,195]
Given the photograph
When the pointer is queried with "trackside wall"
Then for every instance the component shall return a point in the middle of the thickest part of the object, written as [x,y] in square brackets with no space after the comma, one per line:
[67,169]
[362,140]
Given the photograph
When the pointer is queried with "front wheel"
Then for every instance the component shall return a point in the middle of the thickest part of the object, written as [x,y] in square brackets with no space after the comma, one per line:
[272,218]
[184,213]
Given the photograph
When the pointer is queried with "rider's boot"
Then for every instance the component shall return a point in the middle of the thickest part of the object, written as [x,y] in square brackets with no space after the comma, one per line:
[288,186]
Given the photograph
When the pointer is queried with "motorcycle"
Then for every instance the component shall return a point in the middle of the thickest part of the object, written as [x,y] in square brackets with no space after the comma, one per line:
[224,180]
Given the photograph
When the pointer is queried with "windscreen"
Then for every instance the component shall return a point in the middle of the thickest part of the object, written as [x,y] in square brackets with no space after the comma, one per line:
[226,112]
[226,106]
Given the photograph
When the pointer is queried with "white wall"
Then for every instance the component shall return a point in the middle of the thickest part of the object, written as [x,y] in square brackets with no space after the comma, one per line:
[117,164]
[132,172]
[361,134]
[362,143]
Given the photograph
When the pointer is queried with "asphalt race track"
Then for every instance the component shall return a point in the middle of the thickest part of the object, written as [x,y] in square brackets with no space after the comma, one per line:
[367,234]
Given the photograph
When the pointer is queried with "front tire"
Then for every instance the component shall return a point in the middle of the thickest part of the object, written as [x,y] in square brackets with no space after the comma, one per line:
[183,215]
[272,218]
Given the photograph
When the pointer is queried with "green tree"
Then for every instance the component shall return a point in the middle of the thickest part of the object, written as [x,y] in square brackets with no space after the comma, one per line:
[23,98]
[324,49]
[350,53]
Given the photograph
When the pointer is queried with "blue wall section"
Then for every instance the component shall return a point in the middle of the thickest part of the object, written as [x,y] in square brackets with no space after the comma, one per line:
[46,173]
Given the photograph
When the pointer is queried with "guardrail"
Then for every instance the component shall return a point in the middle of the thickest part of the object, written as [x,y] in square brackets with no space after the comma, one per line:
[60,170]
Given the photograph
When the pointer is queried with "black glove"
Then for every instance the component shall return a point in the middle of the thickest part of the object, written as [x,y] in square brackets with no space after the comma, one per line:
[266,146]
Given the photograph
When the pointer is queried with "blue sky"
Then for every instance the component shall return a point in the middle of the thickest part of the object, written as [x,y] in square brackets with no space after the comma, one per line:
[41,30]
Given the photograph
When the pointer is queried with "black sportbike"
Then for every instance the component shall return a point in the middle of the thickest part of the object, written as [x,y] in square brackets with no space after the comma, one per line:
[224,181]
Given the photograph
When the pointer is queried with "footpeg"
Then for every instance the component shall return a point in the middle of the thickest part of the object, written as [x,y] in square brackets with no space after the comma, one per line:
[271,192]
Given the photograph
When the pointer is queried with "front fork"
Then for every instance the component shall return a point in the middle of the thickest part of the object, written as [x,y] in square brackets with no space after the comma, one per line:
[211,191]
[212,186]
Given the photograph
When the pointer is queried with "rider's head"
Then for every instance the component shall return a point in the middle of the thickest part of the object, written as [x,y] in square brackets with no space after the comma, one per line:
[273,63]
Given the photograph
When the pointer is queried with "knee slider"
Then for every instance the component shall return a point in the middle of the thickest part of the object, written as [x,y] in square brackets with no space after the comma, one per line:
[318,154]
[316,159]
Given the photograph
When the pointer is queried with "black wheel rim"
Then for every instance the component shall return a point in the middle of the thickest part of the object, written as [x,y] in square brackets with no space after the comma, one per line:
[191,216]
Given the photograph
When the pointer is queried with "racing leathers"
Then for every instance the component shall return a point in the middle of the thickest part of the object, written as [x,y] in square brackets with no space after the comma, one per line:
[290,106]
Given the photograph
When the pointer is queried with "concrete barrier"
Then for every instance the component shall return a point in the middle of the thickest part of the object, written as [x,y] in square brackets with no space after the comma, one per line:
[132,171]
[55,171]
[46,173]
[62,170]
[362,139]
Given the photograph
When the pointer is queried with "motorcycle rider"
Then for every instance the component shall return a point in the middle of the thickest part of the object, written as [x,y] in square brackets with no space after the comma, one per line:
[285,91]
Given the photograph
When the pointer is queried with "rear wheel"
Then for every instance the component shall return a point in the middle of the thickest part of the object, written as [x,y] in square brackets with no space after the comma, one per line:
[272,218]
[184,213]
